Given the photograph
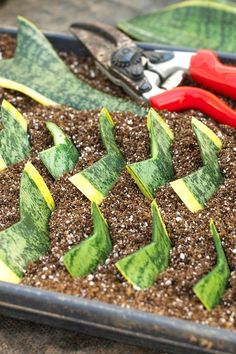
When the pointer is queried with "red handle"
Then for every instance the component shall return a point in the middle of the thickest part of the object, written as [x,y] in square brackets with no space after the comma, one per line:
[182,98]
[206,69]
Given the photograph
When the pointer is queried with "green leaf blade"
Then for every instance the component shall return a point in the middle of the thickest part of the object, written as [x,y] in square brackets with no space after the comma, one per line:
[20,244]
[203,183]
[158,170]
[14,142]
[138,268]
[208,142]
[106,126]
[196,189]
[96,181]
[159,231]
[62,157]
[142,267]
[196,24]
[212,286]
[36,201]
[28,239]
[84,258]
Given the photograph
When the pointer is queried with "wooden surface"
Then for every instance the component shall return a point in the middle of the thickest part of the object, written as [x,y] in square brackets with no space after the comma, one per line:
[16,336]
[21,337]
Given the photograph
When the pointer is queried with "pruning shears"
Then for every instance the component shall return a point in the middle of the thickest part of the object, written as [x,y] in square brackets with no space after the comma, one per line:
[153,76]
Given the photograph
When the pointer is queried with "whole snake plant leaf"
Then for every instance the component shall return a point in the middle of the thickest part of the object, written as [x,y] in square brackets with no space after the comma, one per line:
[195,23]
[212,286]
[158,170]
[28,239]
[197,188]
[97,180]
[62,157]
[141,268]
[14,142]
[37,71]
[84,258]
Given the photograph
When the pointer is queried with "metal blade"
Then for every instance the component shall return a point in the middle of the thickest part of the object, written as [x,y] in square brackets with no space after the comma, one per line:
[100,39]
[117,56]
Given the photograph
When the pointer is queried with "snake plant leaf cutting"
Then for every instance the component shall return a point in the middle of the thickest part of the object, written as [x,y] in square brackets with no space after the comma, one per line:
[141,268]
[97,180]
[197,188]
[84,258]
[14,142]
[62,157]
[37,71]
[26,240]
[195,23]
[158,170]
[212,286]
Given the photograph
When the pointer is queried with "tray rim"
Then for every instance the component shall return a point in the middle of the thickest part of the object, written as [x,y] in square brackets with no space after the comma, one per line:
[103,319]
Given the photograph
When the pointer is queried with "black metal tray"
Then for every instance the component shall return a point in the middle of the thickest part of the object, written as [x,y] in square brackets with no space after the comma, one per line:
[96,318]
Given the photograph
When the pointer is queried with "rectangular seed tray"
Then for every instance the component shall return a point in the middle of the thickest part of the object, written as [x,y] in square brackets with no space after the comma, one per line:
[97,318]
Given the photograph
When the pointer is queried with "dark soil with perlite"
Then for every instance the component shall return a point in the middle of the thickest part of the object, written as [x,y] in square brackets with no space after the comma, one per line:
[126,209]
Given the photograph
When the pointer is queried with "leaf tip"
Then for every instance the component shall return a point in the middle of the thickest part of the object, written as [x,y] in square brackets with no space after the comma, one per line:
[105,113]
[207,131]
[153,114]
[8,107]
[41,185]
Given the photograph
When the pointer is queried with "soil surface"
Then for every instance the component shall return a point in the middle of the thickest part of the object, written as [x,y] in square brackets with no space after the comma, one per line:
[126,209]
